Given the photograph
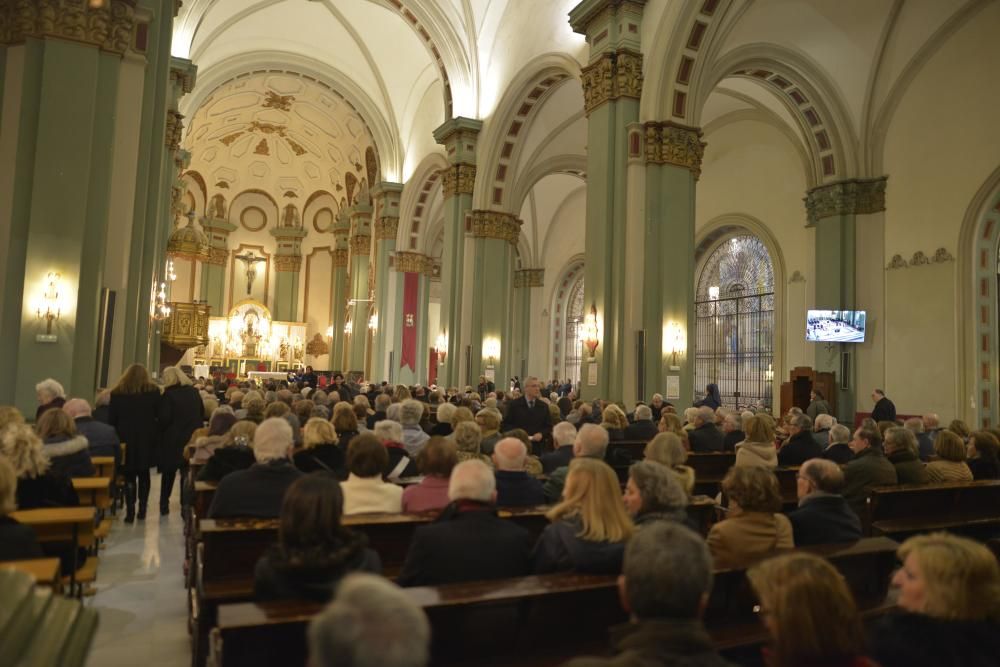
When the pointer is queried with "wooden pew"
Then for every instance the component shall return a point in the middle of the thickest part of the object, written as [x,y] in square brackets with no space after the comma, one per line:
[968,507]
[104,466]
[45,571]
[709,469]
[96,492]
[203,494]
[65,524]
[536,620]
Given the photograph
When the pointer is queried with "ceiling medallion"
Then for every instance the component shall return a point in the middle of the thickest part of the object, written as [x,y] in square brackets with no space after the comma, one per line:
[273,100]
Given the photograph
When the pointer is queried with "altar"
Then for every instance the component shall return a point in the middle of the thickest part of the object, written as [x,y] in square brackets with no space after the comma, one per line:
[260,376]
[249,343]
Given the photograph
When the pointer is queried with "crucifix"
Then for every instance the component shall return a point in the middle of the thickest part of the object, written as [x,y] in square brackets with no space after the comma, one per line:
[250,260]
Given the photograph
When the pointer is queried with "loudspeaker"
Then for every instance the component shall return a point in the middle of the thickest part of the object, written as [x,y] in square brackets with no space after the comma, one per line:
[640,364]
[105,328]
[845,370]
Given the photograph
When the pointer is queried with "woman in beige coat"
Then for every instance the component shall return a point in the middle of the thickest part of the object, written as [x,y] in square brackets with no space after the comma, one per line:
[758,448]
[950,465]
[755,527]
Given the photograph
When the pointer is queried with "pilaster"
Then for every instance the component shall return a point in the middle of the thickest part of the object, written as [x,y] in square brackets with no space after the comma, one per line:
[525,282]
[387,197]
[213,269]
[359,309]
[287,267]
[340,292]
[411,337]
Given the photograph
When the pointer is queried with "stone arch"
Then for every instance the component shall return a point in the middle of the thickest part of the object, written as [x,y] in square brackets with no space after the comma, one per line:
[568,277]
[559,164]
[419,194]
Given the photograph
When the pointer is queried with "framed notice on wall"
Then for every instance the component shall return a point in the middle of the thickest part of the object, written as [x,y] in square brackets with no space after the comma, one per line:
[673,387]
[592,374]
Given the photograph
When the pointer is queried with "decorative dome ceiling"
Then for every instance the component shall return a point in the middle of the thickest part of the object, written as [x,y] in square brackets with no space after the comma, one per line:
[283,134]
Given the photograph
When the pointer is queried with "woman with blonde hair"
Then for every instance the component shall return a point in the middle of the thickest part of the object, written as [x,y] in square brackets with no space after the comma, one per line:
[345,423]
[489,420]
[758,447]
[950,465]
[319,449]
[755,527]
[667,448]
[949,594]
[9,415]
[65,448]
[589,526]
[37,485]
[467,436]
[809,612]
[133,411]
[614,421]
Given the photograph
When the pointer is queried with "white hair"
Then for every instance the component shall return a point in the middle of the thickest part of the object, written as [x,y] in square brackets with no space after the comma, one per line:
[472,480]
[445,412]
[371,622]
[395,412]
[564,434]
[643,412]
[50,388]
[825,421]
[173,375]
[509,454]
[592,440]
[706,414]
[387,429]
[411,411]
[272,439]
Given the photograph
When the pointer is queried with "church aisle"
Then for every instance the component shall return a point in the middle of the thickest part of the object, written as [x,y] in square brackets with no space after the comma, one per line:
[140,592]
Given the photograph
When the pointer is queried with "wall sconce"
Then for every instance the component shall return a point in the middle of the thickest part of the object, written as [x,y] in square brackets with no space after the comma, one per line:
[329,331]
[589,334]
[373,322]
[491,349]
[713,293]
[674,343]
[348,327]
[49,305]
[442,347]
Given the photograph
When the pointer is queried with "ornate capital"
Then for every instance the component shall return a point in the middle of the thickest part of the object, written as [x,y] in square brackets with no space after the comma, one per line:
[853,197]
[109,27]
[218,256]
[339,258]
[175,127]
[386,227]
[288,263]
[613,75]
[495,225]
[411,262]
[529,278]
[671,143]
[361,244]
[458,179]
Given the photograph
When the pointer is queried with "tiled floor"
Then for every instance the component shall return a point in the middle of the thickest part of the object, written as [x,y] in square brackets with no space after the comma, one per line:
[140,592]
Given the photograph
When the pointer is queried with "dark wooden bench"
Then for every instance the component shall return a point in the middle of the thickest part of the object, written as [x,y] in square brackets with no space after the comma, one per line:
[709,469]
[972,508]
[537,620]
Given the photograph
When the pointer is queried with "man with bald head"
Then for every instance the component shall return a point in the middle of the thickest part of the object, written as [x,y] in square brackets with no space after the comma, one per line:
[823,515]
[102,440]
[592,441]
[515,487]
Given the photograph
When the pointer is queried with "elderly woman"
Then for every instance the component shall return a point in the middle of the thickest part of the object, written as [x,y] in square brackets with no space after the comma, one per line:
[489,420]
[65,448]
[653,493]
[400,463]
[37,485]
[755,527]
[253,407]
[345,422]
[364,490]
[613,420]
[444,414]
[984,455]
[411,411]
[758,447]
[319,449]
[467,437]
[949,594]
[50,394]
[435,462]
[901,450]
[667,449]
[235,453]
[203,446]
[950,465]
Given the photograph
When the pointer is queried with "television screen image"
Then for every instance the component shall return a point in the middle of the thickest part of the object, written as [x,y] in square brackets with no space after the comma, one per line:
[835,326]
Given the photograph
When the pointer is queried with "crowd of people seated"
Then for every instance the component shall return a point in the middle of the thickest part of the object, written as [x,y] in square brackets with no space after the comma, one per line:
[309,457]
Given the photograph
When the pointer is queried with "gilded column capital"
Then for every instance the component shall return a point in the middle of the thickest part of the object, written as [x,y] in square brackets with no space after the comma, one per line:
[175,128]
[672,143]
[410,262]
[288,263]
[458,179]
[495,225]
[529,278]
[386,227]
[611,76]
[218,256]
[361,244]
[339,258]
[109,27]
[859,196]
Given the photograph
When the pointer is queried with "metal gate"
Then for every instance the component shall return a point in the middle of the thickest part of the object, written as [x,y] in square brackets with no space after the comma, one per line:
[734,307]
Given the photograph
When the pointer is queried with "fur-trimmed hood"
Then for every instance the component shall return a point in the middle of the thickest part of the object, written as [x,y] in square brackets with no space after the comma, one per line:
[56,448]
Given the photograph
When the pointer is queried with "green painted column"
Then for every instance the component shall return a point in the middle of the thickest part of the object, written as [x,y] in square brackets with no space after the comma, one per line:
[213,271]
[419,267]
[360,291]
[495,237]
[459,137]
[287,268]
[60,92]
[612,85]
[525,282]
[832,210]
[386,226]
[673,156]
[340,292]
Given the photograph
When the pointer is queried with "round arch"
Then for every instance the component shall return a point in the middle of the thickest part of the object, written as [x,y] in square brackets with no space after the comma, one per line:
[418,194]
[568,285]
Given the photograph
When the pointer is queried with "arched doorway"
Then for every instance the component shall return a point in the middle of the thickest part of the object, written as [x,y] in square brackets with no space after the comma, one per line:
[735,308]
[567,314]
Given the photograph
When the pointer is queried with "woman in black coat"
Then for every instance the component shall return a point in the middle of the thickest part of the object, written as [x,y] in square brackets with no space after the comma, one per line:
[135,401]
[181,413]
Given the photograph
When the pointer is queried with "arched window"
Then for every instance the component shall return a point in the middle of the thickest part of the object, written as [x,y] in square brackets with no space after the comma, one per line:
[734,306]
[573,346]
[567,314]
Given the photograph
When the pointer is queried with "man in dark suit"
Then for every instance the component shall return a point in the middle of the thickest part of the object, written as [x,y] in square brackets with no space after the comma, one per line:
[515,487]
[563,437]
[884,410]
[800,446]
[823,516]
[529,413]
[705,436]
[643,427]
[468,542]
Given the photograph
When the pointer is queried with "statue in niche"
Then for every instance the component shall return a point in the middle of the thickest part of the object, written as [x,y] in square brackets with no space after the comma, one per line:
[217,207]
[290,217]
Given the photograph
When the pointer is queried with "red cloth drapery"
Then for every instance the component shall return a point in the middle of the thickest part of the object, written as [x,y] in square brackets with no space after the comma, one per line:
[409,354]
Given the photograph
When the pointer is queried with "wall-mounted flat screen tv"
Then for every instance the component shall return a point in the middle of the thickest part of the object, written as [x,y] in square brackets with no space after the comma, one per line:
[835,326]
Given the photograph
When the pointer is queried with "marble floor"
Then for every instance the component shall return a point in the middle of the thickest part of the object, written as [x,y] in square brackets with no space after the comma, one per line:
[140,591]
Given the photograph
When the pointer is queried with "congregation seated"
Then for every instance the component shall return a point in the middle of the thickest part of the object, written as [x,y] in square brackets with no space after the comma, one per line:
[823,516]
[205,441]
[365,491]
[757,447]
[319,449]
[925,440]
[755,526]
[435,462]
[668,450]
[252,408]
[489,421]
[235,453]
[950,463]
[591,441]
[443,427]
[822,423]
[653,494]
[466,435]
[614,421]
[800,445]
[563,436]
[411,411]
[50,394]
[643,429]
[589,526]
[259,490]
[732,431]
[705,436]
[314,551]
[67,450]
[665,586]
[839,449]
[400,463]
[901,449]
[949,597]
[468,541]
[984,455]
[102,439]
[17,542]
[868,468]
[38,485]
[808,611]
[345,423]
[515,487]
[369,623]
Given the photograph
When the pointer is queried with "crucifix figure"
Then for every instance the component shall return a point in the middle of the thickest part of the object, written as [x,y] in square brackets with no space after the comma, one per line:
[250,260]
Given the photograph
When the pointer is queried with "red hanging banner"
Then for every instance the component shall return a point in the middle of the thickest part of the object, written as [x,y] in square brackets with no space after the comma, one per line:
[409,354]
